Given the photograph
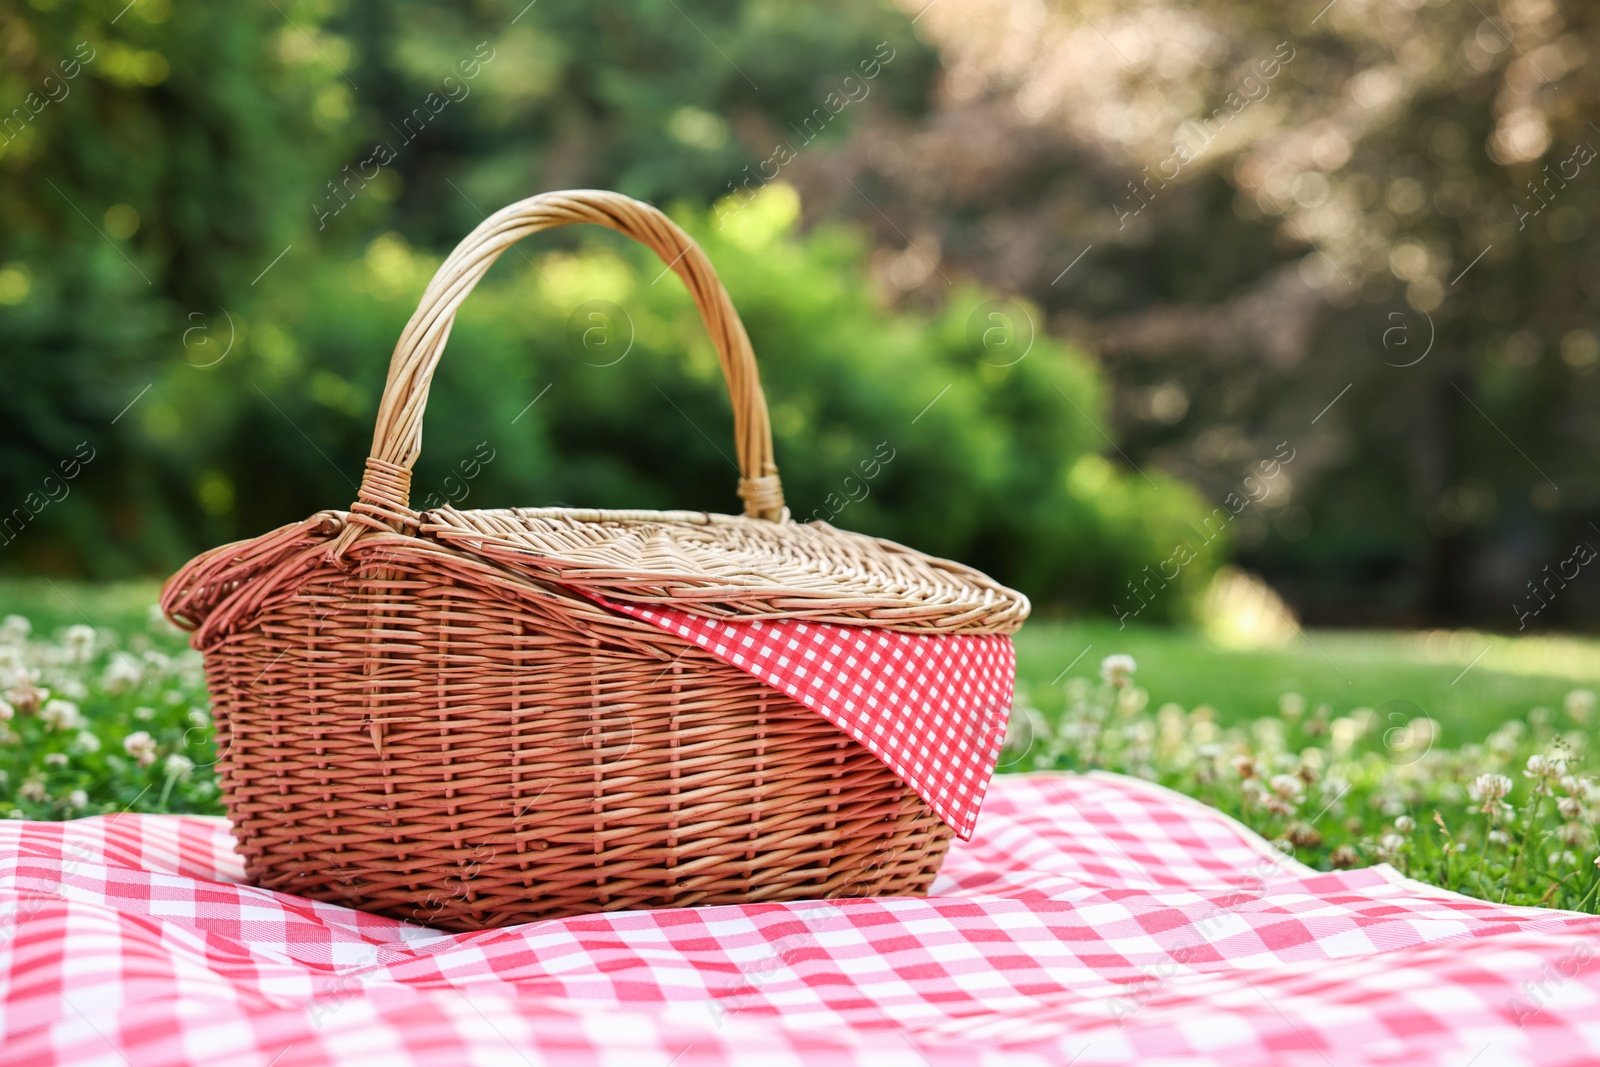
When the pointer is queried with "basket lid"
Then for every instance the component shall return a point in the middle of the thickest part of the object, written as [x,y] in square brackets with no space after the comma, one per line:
[728,566]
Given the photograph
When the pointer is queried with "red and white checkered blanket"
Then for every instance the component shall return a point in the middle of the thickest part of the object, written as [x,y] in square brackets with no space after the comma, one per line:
[1090,920]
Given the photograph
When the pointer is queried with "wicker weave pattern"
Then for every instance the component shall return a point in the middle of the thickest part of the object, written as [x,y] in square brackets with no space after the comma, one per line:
[424,715]
[729,567]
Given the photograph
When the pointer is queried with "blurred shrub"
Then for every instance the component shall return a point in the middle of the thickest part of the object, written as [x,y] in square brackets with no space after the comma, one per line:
[895,424]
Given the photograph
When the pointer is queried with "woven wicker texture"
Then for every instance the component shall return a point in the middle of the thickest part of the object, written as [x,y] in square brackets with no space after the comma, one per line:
[732,567]
[423,715]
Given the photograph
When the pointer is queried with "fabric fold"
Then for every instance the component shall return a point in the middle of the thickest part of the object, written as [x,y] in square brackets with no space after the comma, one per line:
[932,707]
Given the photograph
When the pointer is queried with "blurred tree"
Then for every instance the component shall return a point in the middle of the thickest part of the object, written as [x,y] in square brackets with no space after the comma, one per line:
[1382,206]
[147,171]
[646,97]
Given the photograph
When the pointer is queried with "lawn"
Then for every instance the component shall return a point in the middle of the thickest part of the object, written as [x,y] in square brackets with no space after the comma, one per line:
[50,604]
[1468,682]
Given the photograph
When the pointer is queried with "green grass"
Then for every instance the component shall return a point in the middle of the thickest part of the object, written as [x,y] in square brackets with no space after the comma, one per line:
[1441,673]
[53,603]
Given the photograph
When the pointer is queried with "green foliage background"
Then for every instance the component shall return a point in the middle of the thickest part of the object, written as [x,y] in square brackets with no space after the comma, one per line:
[205,277]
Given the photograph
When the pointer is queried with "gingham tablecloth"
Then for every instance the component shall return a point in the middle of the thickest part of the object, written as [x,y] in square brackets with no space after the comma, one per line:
[932,707]
[1090,920]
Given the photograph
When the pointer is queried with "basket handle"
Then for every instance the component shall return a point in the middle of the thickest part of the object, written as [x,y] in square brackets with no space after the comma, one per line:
[384,498]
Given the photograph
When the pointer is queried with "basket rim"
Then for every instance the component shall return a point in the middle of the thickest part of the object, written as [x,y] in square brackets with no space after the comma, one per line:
[829,575]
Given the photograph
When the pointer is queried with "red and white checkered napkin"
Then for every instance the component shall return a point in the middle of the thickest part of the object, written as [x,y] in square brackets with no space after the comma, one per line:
[1091,920]
[931,706]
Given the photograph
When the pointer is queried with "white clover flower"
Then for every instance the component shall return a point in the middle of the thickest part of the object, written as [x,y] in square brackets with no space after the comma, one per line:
[1343,733]
[1579,705]
[1286,791]
[1574,834]
[1118,669]
[1544,770]
[79,640]
[1131,700]
[77,800]
[15,630]
[1542,766]
[61,715]
[179,767]
[1344,857]
[1287,786]
[1487,788]
[1499,838]
[87,742]
[6,711]
[1503,742]
[55,759]
[141,746]
[1571,808]
[11,661]
[144,714]
[26,694]
[33,789]
[1564,858]
[1244,767]
[122,673]
[1078,731]
[1391,844]
[1405,824]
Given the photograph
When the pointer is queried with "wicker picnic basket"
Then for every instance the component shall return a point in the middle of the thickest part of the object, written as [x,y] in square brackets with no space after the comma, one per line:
[430,715]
